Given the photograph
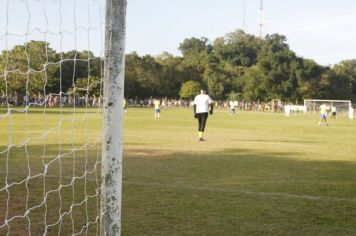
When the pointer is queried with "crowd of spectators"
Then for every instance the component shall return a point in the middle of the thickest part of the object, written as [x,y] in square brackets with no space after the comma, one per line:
[219,104]
[51,100]
[69,100]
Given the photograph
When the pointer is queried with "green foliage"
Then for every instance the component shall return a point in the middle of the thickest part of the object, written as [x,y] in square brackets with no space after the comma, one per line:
[347,71]
[215,81]
[190,89]
[27,67]
[237,48]
[91,86]
[255,85]
[254,68]
[193,47]
[234,96]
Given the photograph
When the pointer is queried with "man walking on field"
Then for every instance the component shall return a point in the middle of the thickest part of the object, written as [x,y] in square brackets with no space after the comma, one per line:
[201,108]
[333,112]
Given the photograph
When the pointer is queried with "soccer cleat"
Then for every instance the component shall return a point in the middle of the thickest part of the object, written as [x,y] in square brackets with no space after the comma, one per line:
[201,139]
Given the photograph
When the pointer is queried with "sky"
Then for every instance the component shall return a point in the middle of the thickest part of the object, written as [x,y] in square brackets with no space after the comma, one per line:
[322,30]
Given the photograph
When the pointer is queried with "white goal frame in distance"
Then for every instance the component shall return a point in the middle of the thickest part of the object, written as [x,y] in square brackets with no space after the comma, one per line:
[313,104]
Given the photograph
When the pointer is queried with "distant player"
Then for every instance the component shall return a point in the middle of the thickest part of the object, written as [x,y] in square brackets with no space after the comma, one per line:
[232,107]
[157,106]
[124,105]
[323,113]
[201,105]
[333,112]
[351,113]
[287,110]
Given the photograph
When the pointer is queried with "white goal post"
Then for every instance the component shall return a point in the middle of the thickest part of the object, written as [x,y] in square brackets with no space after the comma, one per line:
[341,106]
[114,70]
[62,69]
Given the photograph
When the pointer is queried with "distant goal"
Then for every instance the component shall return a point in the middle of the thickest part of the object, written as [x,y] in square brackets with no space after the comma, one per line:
[342,106]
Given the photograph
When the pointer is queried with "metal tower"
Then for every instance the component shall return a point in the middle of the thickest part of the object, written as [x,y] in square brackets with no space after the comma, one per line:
[261,24]
[244,17]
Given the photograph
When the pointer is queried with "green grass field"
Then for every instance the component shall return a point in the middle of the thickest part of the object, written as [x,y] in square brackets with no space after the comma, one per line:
[257,173]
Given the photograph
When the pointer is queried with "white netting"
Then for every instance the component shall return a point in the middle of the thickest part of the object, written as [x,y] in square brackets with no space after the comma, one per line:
[50,116]
[313,105]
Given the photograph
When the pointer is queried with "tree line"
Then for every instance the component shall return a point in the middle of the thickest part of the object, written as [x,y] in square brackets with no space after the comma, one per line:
[236,66]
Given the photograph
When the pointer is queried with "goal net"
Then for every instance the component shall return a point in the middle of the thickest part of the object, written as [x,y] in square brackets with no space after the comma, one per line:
[342,106]
[51,116]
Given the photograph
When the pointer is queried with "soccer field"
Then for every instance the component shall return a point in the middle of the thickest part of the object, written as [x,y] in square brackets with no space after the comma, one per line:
[257,173]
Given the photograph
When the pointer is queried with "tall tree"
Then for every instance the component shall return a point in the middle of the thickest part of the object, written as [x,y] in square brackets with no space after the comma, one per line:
[237,48]
[255,87]
[347,68]
[29,67]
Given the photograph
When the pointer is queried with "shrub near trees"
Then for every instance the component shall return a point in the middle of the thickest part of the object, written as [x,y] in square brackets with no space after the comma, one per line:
[237,65]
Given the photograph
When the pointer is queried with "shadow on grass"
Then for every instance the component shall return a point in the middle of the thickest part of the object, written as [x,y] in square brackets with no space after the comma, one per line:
[226,192]
[274,141]
[237,192]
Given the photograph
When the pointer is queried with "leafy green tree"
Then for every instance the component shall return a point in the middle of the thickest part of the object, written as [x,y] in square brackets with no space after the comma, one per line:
[256,85]
[87,86]
[29,67]
[73,65]
[237,48]
[195,57]
[143,76]
[172,75]
[235,65]
[190,89]
[347,68]
[215,81]
[194,46]
[310,83]
[275,61]
[337,86]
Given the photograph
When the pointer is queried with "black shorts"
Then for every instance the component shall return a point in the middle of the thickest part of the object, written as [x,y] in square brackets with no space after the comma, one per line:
[202,117]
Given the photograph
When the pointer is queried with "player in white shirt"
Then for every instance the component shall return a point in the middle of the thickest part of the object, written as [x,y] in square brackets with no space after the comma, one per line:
[287,110]
[333,112]
[351,113]
[232,107]
[201,110]
[323,113]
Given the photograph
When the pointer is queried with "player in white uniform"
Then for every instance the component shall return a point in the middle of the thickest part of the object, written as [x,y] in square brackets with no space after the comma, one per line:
[351,113]
[232,107]
[333,112]
[201,110]
[323,113]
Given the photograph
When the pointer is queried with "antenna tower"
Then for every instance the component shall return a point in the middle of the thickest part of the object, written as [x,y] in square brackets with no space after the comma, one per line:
[261,24]
[244,17]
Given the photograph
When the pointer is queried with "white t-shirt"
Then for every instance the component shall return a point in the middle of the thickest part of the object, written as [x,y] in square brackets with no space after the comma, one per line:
[232,105]
[351,113]
[323,109]
[202,101]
